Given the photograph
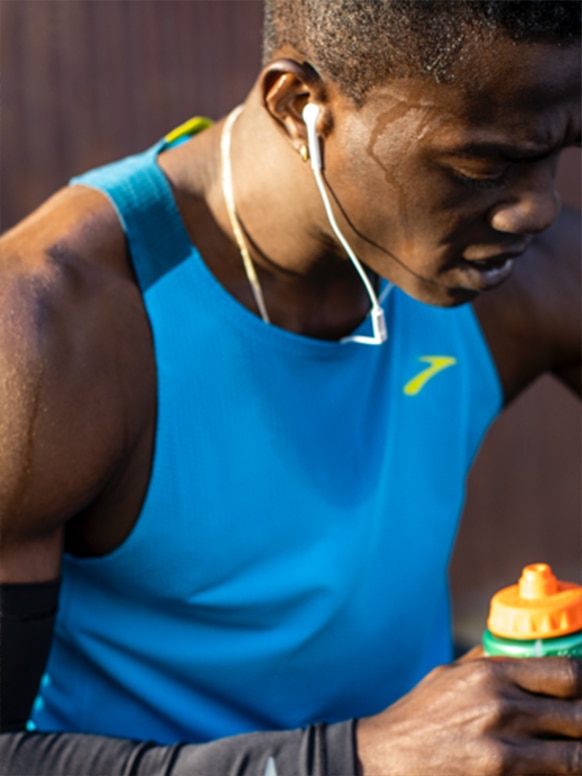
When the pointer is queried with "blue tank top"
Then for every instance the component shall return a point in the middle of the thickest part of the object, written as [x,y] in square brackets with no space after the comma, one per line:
[289,564]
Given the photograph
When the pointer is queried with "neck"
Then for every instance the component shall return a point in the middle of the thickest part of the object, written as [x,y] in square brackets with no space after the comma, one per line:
[308,284]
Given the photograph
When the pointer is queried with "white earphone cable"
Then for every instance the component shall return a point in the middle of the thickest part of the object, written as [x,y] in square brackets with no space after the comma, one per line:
[310,113]
[233,218]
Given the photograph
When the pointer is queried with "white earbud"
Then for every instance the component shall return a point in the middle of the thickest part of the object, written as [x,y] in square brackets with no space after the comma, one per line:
[310,115]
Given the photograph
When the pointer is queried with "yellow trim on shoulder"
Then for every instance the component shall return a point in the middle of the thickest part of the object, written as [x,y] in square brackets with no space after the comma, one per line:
[190,127]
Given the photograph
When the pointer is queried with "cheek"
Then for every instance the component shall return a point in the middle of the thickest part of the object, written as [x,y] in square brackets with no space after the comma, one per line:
[361,169]
[406,210]
[373,196]
[391,156]
[427,210]
[391,197]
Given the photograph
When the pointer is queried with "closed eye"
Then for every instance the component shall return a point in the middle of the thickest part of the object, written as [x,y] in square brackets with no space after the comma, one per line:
[481,182]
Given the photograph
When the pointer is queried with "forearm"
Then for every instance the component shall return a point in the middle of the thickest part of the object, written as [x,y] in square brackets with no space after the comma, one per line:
[27,613]
[320,750]
[27,616]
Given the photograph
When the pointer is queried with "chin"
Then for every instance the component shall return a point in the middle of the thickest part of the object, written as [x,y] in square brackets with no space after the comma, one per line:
[439,296]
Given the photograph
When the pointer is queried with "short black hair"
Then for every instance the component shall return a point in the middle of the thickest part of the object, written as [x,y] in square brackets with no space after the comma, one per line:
[359,43]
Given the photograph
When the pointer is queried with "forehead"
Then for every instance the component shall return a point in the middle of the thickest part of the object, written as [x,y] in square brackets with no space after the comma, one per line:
[529,93]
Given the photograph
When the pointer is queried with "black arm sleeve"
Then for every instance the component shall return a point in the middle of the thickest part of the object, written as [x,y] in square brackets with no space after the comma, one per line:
[27,614]
[320,750]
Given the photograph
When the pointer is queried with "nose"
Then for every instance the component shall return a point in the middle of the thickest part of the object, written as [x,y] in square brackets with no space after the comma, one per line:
[531,205]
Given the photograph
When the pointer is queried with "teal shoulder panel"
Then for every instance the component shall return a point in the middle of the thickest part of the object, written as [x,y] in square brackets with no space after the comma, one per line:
[143,199]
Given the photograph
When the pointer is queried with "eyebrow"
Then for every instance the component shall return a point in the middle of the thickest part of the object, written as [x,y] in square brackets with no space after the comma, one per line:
[513,153]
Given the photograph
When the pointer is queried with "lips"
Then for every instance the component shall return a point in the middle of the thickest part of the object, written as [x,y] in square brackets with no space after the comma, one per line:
[484,269]
[495,262]
[488,273]
[492,257]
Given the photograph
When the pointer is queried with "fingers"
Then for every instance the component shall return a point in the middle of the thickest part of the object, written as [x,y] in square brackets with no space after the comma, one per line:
[482,716]
[539,716]
[560,677]
[558,758]
[533,697]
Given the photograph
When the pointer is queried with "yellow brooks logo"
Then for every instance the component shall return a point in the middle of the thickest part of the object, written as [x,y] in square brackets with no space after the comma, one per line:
[436,364]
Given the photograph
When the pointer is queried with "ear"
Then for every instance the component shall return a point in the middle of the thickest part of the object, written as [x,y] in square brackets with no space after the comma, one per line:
[287,87]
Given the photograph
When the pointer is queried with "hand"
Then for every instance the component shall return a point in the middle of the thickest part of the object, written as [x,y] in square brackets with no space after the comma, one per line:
[481,717]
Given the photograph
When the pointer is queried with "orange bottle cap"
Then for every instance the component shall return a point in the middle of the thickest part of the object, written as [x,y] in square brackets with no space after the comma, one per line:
[538,607]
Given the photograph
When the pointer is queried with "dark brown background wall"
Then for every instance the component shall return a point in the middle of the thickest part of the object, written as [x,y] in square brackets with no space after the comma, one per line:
[86,82]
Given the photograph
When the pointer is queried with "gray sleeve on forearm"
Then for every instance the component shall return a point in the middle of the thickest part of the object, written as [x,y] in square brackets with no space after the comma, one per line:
[320,750]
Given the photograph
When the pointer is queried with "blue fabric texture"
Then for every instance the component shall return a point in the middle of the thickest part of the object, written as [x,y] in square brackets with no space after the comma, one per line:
[290,561]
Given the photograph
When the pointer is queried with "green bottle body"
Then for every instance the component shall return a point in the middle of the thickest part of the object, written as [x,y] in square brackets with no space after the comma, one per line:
[561,646]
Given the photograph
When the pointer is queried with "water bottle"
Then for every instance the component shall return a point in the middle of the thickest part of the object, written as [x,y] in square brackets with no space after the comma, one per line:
[541,616]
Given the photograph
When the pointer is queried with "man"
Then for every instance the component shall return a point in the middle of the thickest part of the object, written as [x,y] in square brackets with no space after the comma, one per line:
[249,485]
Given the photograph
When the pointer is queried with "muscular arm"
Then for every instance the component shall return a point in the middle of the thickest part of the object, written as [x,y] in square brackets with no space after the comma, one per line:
[67,435]
[48,472]
[558,300]
[532,322]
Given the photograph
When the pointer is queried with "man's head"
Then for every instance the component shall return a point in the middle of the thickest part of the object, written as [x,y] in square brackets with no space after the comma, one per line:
[360,43]
[441,124]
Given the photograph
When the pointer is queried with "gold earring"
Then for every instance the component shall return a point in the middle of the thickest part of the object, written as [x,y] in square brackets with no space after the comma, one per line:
[304,153]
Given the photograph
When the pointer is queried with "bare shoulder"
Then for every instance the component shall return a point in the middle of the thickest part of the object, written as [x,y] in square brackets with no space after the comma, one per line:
[72,332]
[532,322]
